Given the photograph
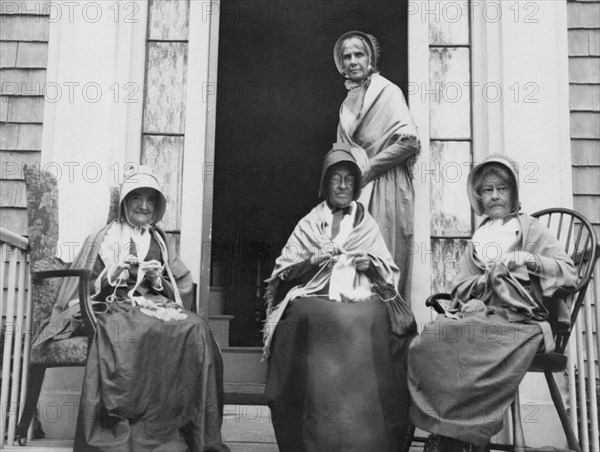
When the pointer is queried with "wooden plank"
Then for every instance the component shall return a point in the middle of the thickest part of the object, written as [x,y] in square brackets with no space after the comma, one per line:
[25,7]
[243,365]
[584,97]
[13,163]
[24,28]
[585,152]
[23,109]
[22,82]
[20,137]
[165,155]
[244,394]
[588,206]
[584,70]
[13,239]
[449,94]
[14,219]
[17,358]
[585,125]
[32,55]
[586,181]
[13,194]
[247,423]
[8,54]
[448,22]
[582,15]
[450,208]
[165,88]
[42,445]
[9,332]
[584,42]
[169,19]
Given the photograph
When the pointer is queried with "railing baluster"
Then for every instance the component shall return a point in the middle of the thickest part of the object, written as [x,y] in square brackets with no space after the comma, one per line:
[572,384]
[4,257]
[17,353]
[591,372]
[581,397]
[27,346]
[8,341]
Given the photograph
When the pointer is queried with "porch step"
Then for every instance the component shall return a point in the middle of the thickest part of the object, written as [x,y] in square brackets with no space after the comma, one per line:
[43,445]
[244,365]
[245,375]
[249,394]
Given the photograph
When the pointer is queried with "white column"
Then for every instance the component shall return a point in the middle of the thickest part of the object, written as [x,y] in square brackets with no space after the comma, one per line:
[198,160]
[418,75]
[520,72]
[521,108]
[93,107]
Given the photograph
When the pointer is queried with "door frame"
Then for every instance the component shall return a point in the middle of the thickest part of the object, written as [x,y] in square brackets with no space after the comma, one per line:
[199,146]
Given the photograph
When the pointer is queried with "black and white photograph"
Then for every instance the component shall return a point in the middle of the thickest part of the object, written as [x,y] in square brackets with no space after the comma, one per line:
[299,225]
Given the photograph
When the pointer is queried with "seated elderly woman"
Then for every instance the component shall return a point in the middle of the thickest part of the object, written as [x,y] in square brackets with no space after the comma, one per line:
[153,377]
[337,330]
[467,365]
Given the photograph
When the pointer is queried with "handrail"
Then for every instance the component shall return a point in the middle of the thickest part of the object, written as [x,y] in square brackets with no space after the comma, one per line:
[15,324]
[14,239]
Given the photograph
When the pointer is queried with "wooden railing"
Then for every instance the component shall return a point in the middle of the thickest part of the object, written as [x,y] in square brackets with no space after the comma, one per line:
[583,371]
[15,330]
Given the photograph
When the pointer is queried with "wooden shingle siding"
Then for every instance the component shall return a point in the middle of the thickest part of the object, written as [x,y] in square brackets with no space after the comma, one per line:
[24,31]
[584,43]
[584,103]
[585,153]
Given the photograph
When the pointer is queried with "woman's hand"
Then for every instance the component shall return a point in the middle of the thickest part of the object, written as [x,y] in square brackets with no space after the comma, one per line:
[361,260]
[327,252]
[519,258]
[115,271]
[153,269]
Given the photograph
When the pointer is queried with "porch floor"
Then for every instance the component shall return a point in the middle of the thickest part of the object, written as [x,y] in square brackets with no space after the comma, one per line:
[246,428]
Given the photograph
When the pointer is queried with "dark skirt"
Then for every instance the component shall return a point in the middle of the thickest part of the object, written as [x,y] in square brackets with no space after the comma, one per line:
[337,378]
[151,385]
[463,374]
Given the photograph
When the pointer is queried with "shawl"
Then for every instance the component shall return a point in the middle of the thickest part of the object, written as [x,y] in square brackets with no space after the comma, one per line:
[517,300]
[178,277]
[309,238]
[383,122]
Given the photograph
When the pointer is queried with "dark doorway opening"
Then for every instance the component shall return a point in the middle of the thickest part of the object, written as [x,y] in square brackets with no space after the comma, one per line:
[278,97]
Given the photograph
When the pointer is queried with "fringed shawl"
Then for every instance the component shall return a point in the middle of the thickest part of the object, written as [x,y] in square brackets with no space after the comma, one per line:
[308,239]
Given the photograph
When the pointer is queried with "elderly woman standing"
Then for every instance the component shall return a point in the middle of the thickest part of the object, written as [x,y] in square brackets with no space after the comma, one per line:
[468,363]
[153,377]
[337,332]
[376,122]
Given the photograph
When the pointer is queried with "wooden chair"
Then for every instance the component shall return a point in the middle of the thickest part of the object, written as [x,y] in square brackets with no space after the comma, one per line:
[47,272]
[576,235]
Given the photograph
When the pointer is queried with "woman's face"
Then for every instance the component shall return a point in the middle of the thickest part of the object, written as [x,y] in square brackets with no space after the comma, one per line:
[141,206]
[355,59]
[496,196]
[341,186]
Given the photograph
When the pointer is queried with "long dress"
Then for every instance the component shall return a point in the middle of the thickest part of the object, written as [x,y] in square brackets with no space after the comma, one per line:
[384,138]
[337,371]
[463,372]
[150,384]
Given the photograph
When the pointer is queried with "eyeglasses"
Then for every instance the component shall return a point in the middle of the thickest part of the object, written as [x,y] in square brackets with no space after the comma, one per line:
[337,180]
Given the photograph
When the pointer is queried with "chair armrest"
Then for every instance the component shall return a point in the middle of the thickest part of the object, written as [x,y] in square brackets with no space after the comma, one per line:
[85,303]
[62,273]
[434,302]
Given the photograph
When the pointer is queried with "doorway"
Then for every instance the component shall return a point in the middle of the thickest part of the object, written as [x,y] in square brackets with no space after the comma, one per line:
[278,96]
